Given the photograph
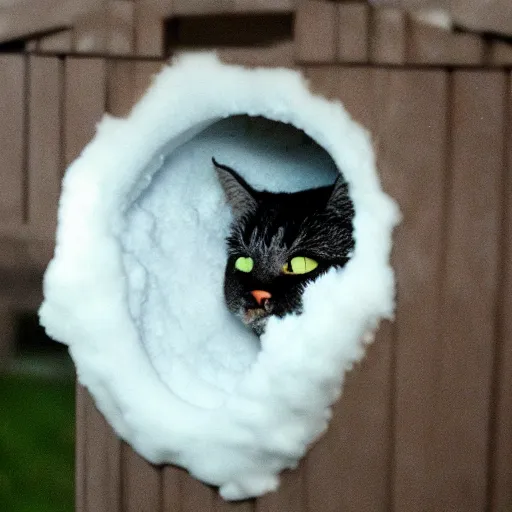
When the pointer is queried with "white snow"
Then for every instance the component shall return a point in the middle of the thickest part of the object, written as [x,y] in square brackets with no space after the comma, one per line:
[135,286]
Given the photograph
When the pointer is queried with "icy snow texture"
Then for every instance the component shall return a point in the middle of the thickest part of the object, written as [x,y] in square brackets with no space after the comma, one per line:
[135,286]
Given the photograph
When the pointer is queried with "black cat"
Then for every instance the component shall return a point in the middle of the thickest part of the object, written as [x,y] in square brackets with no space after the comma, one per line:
[280,242]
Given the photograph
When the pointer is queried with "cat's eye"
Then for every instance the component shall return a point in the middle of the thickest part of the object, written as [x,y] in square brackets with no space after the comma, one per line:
[244,264]
[300,265]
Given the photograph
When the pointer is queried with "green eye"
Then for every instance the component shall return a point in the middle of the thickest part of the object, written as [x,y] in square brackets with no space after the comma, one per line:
[244,264]
[300,265]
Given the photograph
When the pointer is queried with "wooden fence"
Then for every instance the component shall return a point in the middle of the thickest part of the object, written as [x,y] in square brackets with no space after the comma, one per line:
[425,422]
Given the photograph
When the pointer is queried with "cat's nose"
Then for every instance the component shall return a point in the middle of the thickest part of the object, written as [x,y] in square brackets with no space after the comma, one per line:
[261,296]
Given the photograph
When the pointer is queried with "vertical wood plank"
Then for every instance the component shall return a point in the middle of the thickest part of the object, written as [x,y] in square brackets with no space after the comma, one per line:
[316,29]
[501,54]
[470,285]
[412,146]
[102,463]
[12,107]
[349,468]
[120,87]
[196,496]
[171,489]
[433,45]
[280,54]
[149,31]
[121,27]
[59,42]
[142,489]
[352,32]
[90,33]
[388,38]
[44,152]
[291,494]
[501,457]
[501,498]
[31,45]
[85,93]
[98,477]
[466,49]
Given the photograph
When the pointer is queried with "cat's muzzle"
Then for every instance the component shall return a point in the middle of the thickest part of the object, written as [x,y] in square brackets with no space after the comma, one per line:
[256,317]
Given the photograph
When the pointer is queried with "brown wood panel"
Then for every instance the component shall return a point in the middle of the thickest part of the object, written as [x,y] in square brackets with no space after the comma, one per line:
[149,31]
[85,98]
[44,147]
[316,31]
[291,494]
[31,45]
[196,496]
[121,27]
[501,456]
[141,484]
[412,149]
[388,38]
[501,54]
[280,54]
[98,463]
[120,87]
[433,45]
[90,33]
[349,468]
[191,7]
[469,295]
[59,42]
[103,463]
[171,489]
[352,32]
[12,136]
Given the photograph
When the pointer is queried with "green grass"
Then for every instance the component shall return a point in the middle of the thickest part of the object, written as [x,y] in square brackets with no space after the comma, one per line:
[36,444]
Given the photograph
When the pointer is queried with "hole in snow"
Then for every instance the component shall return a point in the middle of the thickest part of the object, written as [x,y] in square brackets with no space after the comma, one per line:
[174,249]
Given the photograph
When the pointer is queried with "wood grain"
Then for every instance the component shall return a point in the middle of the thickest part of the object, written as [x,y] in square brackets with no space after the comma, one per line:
[141,484]
[501,54]
[44,147]
[501,455]
[353,31]
[84,104]
[98,463]
[196,496]
[470,291]
[412,149]
[12,135]
[103,453]
[316,29]
[388,37]
[171,488]
[60,42]
[120,87]
[291,494]
[433,45]
[149,31]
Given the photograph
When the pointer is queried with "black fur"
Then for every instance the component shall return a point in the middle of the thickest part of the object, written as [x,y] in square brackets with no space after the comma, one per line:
[272,229]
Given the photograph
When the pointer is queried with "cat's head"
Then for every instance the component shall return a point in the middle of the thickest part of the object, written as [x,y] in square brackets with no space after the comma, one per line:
[279,243]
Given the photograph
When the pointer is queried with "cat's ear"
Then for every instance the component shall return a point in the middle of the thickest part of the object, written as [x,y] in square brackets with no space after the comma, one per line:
[340,200]
[238,192]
